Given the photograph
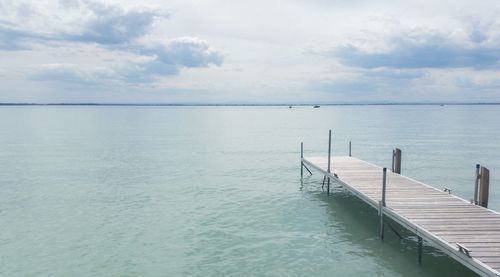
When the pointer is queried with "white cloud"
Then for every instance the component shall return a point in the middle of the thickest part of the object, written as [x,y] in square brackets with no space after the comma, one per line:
[71,74]
[252,51]
[421,49]
[112,28]
[111,24]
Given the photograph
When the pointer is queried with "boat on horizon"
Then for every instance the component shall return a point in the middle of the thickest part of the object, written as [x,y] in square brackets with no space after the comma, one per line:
[316,106]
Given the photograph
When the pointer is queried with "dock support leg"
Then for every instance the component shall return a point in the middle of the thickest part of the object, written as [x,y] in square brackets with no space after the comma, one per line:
[310,173]
[302,165]
[381,212]
[328,186]
[382,203]
[420,246]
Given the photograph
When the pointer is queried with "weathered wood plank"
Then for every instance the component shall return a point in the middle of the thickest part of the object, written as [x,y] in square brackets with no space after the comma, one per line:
[471,238]
[432,216]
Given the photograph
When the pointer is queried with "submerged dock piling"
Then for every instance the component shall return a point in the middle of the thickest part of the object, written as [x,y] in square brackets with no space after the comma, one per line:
[420,246]
[349,148]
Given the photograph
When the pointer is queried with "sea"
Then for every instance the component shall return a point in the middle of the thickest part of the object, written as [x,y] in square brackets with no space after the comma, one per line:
[217,191]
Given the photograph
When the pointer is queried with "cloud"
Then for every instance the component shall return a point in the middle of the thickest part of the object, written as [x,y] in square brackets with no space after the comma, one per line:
[13,38]
[399,60]
[344,86]
[95,23]
[111,24]
[365,81]
[71,74]
[417,49]
[112,29]
[168,58]
[162,59]
[189,52]
[184,51]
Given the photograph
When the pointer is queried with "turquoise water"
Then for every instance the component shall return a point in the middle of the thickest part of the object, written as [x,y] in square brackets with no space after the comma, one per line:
[216,191]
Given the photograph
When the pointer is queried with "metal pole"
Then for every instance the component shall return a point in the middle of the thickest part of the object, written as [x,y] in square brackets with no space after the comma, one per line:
[382,203]
[329,158]
[420,245]
[349,148]
[329,148]
[476,184]
[307,169]
[301,157]
[384,181]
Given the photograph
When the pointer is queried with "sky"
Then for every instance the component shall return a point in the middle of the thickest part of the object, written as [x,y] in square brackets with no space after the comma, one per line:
[230,51]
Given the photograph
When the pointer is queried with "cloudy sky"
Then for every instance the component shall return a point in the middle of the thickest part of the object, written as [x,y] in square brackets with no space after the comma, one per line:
[227,51]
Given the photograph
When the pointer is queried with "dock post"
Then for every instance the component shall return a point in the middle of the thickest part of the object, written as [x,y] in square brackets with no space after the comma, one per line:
[349,148]
[329,148]
[420,246]
[301,157]
[382,203]
[384,182]
[396,161]
[329,158]
[484,184]
[476,184]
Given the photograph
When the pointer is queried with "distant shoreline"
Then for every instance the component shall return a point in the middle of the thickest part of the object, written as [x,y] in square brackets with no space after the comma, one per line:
[246,105]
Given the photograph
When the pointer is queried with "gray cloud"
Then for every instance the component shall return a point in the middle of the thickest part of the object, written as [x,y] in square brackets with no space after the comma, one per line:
[71,74]
[369,80]
[344,86]
[168,58]
[427,50]
[13,38]
[111,24]
[105,25]
[163,59]
[185,51]
[112,28]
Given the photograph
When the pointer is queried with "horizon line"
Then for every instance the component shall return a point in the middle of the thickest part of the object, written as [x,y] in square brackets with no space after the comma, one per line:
[250,104]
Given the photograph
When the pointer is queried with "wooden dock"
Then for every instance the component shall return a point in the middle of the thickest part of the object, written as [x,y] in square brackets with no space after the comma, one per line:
[466,232]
